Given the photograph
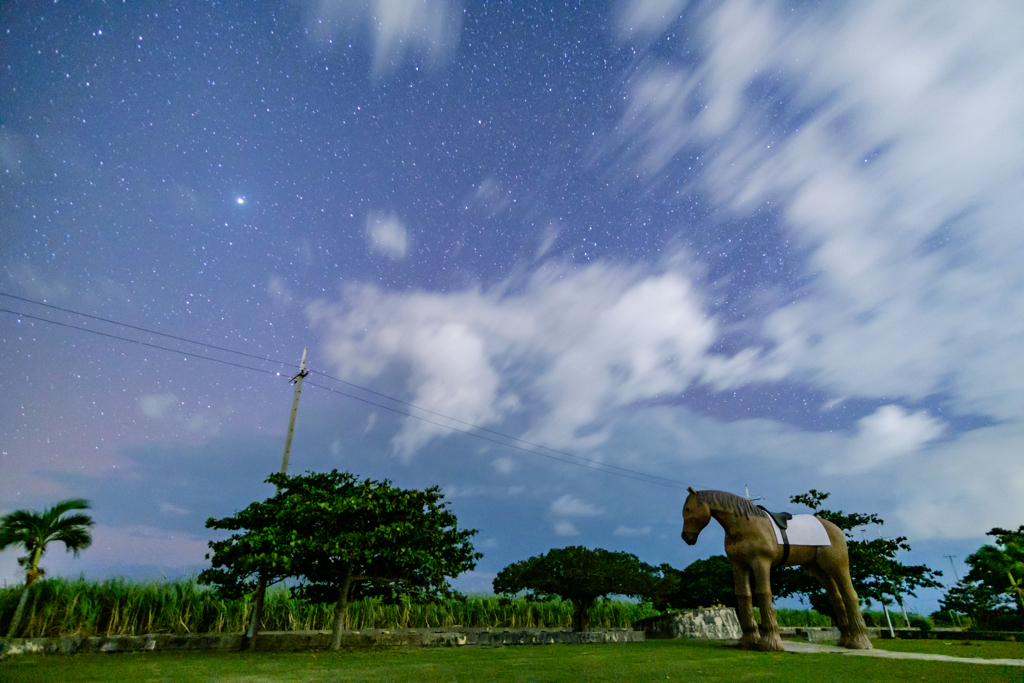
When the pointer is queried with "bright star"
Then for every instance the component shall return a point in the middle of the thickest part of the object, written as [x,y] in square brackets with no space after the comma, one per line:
[240,200]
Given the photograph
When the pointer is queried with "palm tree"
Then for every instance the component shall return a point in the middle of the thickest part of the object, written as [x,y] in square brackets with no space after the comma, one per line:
[35,531]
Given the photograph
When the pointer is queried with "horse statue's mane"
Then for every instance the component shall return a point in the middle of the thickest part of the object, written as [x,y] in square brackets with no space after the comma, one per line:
[730,502]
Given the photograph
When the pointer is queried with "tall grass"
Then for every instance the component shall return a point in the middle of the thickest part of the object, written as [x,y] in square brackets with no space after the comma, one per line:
[801,617]
[61,606]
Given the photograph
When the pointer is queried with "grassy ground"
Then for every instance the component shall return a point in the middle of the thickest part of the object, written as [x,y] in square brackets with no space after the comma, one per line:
[983,649]
[650,661]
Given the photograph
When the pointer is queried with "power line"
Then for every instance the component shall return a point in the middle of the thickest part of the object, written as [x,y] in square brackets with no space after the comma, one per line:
[489,431]
[337,379]
[579,461]
[589,464]
[136,341]
[142,329]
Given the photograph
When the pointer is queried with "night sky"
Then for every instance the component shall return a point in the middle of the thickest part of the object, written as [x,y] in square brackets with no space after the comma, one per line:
[561,259]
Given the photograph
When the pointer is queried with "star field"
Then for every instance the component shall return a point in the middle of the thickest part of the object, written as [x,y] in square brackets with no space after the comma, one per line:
[739,244]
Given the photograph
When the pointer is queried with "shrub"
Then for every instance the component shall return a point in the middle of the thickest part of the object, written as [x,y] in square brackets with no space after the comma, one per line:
[923,624]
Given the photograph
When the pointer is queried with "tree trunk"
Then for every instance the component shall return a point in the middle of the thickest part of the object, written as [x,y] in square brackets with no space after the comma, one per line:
[341,610]
[249,642]
[581,616]
[31,575]
[16,621]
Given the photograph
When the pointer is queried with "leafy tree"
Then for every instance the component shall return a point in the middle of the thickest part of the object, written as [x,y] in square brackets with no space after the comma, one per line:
[580,575]
[35,531]
[974,599]
[701,584]
[343,537]
[1000,567]
[994,583]
[874,569]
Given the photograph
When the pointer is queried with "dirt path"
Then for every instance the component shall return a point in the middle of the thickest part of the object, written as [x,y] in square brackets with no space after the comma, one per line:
[885,654]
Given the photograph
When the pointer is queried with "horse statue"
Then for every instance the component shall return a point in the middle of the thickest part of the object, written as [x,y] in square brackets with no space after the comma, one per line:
[753,546]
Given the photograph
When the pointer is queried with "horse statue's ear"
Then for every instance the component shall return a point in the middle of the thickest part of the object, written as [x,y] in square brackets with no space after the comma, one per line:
[690,489]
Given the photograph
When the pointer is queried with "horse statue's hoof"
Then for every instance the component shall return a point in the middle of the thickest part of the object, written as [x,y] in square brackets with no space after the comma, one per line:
[771,644]
[749,643]
[858,643]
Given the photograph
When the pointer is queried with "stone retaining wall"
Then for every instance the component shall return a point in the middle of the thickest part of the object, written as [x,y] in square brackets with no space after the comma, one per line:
[298,641]
[717,623]
[720,623]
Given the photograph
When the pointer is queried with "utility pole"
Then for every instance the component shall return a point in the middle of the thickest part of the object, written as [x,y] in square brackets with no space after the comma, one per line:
[951,557]
[261,586]
[297,381]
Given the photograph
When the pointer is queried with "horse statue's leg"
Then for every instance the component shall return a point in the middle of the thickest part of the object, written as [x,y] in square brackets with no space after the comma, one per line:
[836,599]
[857,635]
[833,571]
[744,606]
[771,639]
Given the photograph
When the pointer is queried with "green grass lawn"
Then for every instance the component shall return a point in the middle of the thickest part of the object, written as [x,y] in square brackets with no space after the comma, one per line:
[650,661]
[982,649]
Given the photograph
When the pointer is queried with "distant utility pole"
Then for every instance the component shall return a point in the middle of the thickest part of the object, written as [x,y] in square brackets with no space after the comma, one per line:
[261,587]
[297,381]
[954,567]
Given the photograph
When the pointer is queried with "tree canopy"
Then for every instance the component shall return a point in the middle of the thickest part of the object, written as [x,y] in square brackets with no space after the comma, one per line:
[703,583]
[341,537]
[995,583]
[580,575]
[874,569]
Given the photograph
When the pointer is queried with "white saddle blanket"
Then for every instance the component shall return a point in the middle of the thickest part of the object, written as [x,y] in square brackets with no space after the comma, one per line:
[803,530]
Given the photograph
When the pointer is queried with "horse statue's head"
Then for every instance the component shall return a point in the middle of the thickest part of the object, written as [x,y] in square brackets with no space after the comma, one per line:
[696,516]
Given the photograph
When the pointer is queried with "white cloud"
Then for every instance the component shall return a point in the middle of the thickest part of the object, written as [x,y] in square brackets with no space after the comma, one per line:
[623,530]
[400,29]
[903,178]
[158,406]
[386,235]
[565,528]
[581,344]
[887,434]
[474,581]
[168,408]
[646,18]
[963,488]
[503,465]
[279,291]
[491,197]
[169,509]
[548,240]
[568,506]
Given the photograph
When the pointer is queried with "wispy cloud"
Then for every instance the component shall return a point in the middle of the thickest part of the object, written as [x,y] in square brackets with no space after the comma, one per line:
[158,406]
[398,29]
[885,435]
[387,235]
[646,19]
[565,528]
[890,140]
[568,506]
